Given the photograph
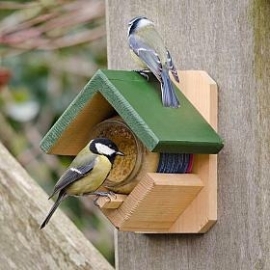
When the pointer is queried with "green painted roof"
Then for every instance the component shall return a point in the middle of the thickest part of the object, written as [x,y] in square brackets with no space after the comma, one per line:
[138,102]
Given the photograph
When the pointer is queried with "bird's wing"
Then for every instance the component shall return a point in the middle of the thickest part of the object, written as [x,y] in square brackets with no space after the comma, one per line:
[71,175]
[171,66]
[146,54]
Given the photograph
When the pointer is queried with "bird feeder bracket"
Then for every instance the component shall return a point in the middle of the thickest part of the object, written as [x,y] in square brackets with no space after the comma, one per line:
[159,202]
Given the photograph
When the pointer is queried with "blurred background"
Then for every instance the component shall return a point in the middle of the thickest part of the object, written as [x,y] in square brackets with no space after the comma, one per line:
[49,49]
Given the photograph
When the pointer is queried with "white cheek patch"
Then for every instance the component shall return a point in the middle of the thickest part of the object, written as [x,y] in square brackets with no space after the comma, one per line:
[144,22]
[104,149]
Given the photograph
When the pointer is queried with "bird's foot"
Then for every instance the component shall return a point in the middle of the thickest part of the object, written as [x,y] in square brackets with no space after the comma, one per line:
[143,72]
[106,194]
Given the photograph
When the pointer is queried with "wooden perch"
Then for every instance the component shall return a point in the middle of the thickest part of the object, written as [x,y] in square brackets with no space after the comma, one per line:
[23,245]
[113,202]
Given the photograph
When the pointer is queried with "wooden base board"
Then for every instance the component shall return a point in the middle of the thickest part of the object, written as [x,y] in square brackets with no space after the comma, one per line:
[182,205]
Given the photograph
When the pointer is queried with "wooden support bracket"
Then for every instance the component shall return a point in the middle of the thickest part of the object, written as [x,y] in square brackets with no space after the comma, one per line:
[155,203]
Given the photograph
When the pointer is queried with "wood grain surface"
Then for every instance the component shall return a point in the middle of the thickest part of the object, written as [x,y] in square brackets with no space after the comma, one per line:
[231,41]
[23,206]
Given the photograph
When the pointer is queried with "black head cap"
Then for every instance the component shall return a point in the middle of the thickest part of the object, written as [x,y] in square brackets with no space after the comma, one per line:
[133,23]
[106,147]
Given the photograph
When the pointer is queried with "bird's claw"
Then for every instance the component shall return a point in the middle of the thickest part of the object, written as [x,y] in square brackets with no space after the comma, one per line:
[143,73]
[111,193]
[106,194]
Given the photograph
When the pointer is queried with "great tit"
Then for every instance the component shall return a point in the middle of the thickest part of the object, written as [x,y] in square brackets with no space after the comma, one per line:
[151,53]
[86,173]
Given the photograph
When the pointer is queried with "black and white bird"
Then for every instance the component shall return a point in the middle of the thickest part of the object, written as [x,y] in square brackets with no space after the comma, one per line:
[149,51]
[86,173]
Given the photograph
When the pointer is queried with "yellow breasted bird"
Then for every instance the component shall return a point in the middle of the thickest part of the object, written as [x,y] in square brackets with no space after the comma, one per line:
[149,51]
[86,173]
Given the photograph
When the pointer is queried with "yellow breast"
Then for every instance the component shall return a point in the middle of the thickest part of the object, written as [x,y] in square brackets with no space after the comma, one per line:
[138,61]
[93,180]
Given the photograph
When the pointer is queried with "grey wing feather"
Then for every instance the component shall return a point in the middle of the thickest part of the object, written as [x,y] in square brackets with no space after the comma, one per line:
[152,61]
[72,175]
[171,66]
[147,55]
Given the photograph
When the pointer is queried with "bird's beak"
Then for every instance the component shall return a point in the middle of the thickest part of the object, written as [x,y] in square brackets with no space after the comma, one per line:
[119,153]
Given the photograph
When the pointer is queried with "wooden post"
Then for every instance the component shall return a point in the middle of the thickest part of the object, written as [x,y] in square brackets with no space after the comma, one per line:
[23,205]
[231,41]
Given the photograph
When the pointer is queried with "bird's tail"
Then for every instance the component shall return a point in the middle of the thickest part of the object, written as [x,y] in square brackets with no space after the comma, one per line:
[169,98]
[60,198]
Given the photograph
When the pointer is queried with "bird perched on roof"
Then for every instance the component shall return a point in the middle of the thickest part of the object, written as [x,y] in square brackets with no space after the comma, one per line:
[151,53]
[86,173]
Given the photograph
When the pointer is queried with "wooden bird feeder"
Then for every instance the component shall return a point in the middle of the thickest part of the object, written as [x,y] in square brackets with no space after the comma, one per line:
[124,107]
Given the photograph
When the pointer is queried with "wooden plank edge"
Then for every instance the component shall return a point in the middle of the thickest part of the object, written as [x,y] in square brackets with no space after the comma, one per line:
[121,216]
